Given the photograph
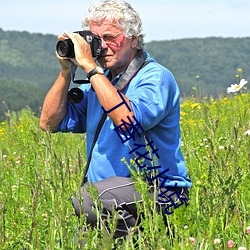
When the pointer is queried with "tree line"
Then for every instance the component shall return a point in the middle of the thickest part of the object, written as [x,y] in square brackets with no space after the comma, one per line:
[202,67]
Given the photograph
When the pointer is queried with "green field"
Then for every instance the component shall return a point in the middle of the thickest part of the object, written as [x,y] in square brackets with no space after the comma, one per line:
[40,172]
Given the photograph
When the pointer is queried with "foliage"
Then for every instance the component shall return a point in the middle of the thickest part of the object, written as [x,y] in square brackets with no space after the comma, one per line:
[41,171]
[208,62]
[204,64]
[28,58]
[14,95]
[28,68]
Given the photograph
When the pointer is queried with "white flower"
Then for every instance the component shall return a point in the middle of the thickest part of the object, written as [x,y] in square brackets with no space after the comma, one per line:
[221,147]
[22,210]
[242,248]
[246,133]
[217,241]
[237,87]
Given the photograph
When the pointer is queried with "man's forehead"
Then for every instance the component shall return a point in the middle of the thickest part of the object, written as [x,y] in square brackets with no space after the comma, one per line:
[104,25]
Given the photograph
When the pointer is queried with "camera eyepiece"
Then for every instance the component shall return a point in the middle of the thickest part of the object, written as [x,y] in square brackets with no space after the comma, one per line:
[65,48]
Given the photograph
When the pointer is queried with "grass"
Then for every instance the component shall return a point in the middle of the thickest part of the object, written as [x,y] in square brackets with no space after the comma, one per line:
[40,172]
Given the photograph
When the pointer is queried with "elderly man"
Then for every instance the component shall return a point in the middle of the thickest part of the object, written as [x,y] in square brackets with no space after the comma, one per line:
[140,102]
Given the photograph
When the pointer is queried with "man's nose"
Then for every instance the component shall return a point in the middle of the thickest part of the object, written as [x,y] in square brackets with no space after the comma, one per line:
[104,44]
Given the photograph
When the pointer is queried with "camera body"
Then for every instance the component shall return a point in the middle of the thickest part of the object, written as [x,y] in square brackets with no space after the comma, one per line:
[65,48]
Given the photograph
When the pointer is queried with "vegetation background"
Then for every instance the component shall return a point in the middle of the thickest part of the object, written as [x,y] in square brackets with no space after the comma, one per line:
[40,172]
[28,66]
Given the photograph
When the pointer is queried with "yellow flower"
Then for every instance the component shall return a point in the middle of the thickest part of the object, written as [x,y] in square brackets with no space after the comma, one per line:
[195,105]
[132,162]
[240,70]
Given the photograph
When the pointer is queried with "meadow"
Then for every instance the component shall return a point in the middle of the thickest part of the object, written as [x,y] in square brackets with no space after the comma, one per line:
[40,172]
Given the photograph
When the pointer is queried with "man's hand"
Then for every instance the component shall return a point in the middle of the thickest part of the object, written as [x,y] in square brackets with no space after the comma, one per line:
[83,54]
[66,63]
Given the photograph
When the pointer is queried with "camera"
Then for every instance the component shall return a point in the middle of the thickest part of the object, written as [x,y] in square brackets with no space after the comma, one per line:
[65,48]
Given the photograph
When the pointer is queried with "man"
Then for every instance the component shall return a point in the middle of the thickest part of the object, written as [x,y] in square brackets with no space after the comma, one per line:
[141,100]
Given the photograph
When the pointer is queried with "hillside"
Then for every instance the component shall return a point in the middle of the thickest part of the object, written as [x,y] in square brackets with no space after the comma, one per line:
[210,63]
[28,66]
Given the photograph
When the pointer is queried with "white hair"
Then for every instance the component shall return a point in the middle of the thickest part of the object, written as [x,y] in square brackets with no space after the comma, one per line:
[120,13]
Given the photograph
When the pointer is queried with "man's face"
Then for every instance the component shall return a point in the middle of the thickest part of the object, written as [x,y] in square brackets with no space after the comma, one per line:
[118,50]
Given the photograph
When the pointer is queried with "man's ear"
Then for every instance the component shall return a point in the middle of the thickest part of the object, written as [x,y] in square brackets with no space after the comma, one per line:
[134,42]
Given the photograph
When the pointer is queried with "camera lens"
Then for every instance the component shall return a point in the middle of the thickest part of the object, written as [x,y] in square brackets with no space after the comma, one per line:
[65,48]
[75,95]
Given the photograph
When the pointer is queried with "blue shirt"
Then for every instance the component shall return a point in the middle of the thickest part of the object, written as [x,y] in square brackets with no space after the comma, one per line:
[154,96]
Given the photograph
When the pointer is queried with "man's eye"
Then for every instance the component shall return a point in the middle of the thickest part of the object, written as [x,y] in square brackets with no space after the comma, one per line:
[107,37]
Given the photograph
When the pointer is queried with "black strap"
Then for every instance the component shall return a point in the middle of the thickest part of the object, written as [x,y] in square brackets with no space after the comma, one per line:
[97,132]
[136,64]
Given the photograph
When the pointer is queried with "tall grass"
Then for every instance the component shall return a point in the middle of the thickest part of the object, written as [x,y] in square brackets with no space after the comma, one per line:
[40,172]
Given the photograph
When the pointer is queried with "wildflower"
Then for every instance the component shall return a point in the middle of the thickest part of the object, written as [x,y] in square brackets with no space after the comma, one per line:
[247,133]
[221,147]
[192,240]
[45,216]
[216,241]
[230,244]
[240,70]
[248,230]
[132,162]
[14,188]
[198,182]
[242,248]
[237,87]
[22,210]
[195,106]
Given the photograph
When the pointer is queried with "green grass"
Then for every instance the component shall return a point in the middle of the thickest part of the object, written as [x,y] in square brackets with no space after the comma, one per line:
[40,172]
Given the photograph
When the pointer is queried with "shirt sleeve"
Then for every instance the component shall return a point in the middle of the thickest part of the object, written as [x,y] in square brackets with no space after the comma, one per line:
[75,117]
[154,96]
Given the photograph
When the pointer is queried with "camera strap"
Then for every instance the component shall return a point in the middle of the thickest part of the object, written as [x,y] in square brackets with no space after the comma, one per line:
[136,64]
